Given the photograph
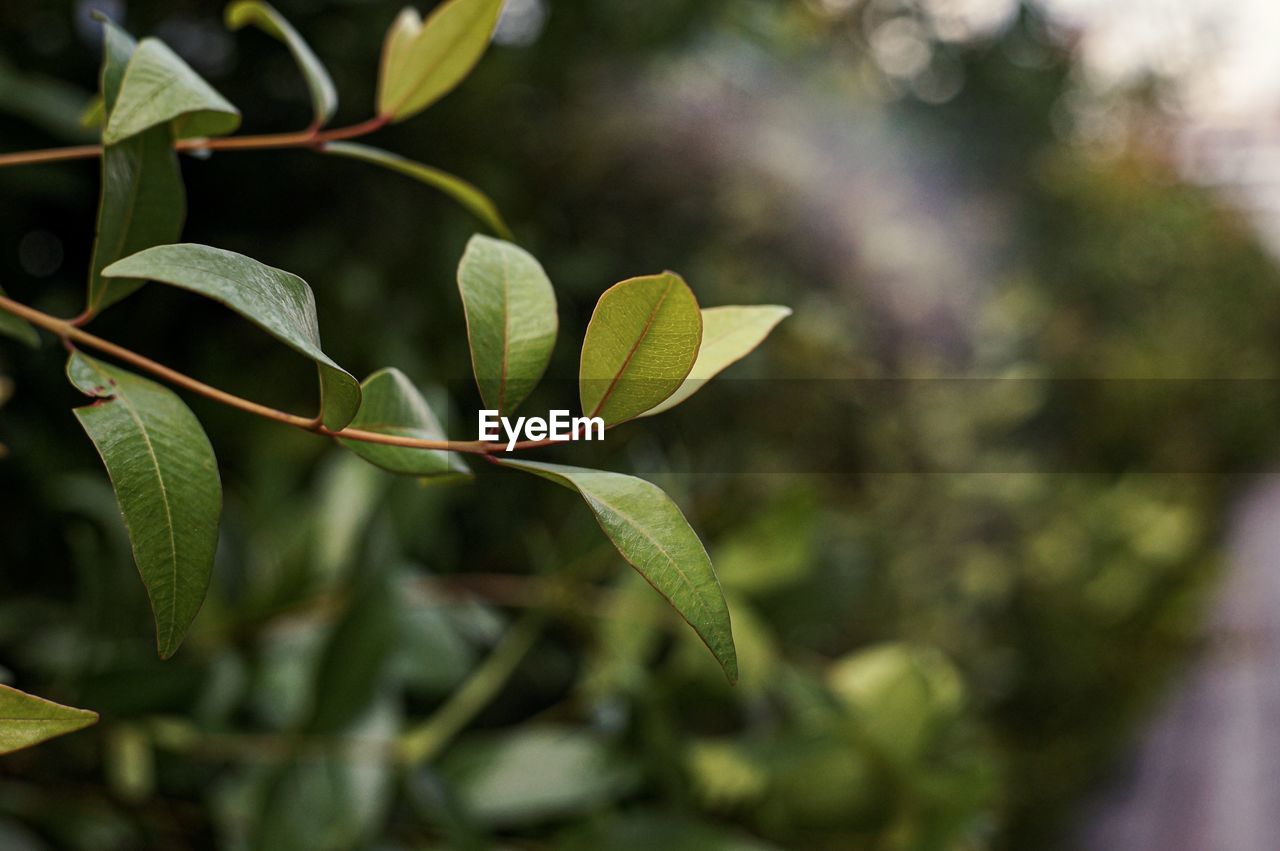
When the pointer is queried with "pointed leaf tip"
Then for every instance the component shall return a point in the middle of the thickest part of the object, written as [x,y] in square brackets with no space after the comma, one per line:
[652,534]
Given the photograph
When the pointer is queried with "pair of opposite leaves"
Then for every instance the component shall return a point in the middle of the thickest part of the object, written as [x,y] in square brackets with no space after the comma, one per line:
[648,332]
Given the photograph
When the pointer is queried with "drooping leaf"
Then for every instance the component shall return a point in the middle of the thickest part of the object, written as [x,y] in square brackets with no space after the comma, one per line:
[511,319]
[475,201]
[278,302]
[18,329]
[652,534]
[166,480]
[422,61]
[27,720]
[728,335]
[142,201]
[324,97]
[642,341]
[390,404]
[157,88]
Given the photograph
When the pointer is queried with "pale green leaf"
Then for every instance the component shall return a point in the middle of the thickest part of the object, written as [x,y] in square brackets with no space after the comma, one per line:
[142,201]
[535,773]
[94,115]
[422,61]
[511,319]
[324,97]
[27,720]
[728,335]
[157,88]
[18,329]
[279,302]
[390,404]
[642,341]
[650,532]
[466,194]
[166,481]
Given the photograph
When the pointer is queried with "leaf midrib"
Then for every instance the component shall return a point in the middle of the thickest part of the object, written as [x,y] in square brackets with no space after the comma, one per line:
[635,347]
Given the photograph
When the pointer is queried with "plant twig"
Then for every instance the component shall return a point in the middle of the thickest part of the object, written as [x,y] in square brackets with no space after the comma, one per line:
[310,137]
[70,334]
[425,740]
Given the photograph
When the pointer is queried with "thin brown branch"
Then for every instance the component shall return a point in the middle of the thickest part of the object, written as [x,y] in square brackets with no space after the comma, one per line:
[69,333]
[302,139]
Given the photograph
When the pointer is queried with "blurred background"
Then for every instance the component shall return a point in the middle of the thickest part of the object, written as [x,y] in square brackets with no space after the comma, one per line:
[1003,573]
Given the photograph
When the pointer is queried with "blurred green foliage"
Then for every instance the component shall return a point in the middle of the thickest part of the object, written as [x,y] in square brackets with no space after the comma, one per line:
[944,658]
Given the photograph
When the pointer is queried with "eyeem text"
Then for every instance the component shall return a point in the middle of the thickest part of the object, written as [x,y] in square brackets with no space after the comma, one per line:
[559,425]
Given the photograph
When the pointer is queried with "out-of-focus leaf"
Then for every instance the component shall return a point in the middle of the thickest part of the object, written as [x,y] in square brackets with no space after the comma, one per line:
[534,773]
[44,101]
[728,335]
[900,694]
[157,88]
[422,61]
[18,329]
[644,830]
[27,720]
[511,319]
[142,201]
[390,404]
[130,763]
[324,97]
[166,480]
[355,658]
[329,800]
[278,302]
[650,532]
[466,194]
[94,115]
[641,342]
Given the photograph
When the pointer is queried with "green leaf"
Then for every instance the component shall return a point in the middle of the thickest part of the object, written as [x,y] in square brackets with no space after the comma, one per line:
[142,201]
[423,61]
[157,88]
[475,201]
[511,319]
[27,720]
[324,97]
[650,532]
[642,341]
[535,773]
[18,329]
[166,481]
[390,404]
[278,302]
[728,335]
